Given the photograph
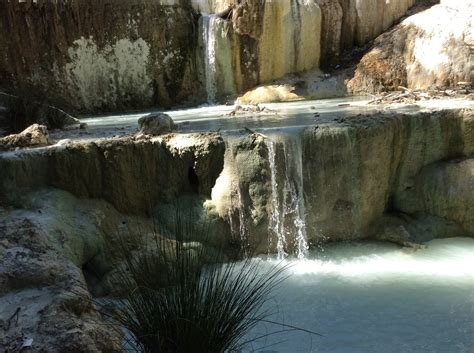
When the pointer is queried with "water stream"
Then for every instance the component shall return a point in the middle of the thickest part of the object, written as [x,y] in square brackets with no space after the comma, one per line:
[209,55]
[275,219]
[287,218]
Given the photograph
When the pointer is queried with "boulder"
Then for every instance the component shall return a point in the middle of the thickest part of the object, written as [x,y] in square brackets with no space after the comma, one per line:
[33,136]
[269,94]
[156,124]
[430,49]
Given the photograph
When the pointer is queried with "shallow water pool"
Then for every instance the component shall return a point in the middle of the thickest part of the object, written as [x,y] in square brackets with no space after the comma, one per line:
[375,297]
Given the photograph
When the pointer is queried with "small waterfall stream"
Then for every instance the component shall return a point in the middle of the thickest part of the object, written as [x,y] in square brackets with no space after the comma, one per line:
[287,218]
[286,229]
[209,41]
[295,192]
[275,222]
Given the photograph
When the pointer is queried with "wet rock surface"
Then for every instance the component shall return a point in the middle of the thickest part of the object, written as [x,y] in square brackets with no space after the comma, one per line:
[353,170]
[364,162]
[403,178]
[444,190]
[113,55]
[155,53]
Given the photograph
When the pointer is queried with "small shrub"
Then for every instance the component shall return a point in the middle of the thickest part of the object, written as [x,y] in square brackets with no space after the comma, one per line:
[27,105]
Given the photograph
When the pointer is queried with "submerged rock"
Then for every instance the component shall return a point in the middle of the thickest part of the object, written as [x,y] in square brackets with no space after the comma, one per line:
[34,136]
[156,124]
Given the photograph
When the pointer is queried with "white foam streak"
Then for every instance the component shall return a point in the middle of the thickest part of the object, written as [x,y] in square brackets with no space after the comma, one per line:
[441,259]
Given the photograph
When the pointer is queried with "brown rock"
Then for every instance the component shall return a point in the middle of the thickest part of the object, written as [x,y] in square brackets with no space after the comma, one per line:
[432,48]
[156,124]
[34,136]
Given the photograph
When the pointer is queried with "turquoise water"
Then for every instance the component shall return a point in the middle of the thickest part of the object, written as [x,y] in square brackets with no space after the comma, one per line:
[375,297]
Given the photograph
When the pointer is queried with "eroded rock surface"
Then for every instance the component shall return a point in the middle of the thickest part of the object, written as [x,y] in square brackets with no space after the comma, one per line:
[114,55]
[364,161]
[352,171]
[143,53]
[133,174]
[49,296]
[430,49]
[404,178]
[444,190]
[34,136]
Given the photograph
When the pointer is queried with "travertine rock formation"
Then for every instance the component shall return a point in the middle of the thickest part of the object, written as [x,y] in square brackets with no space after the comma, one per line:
[404,178]
[34,136]
[433,48]
[47,291]
[101,55]
[133,174]
[354,171]
[134,54]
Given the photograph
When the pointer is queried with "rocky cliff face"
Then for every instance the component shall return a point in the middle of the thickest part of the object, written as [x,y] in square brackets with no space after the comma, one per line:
[127,54]
[101,55]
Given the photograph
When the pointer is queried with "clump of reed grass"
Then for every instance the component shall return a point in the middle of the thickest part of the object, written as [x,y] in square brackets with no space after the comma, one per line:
[178,297]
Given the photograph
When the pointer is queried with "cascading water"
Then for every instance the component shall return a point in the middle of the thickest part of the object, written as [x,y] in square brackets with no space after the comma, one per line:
[275,222]
[236,200]
[209,30]
[288,213]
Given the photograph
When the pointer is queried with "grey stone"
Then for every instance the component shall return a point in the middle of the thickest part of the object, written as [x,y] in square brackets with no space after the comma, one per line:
[156,124]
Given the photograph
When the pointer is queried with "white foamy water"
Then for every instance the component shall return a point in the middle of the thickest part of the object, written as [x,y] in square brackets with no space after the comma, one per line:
[376,298]
[210,69]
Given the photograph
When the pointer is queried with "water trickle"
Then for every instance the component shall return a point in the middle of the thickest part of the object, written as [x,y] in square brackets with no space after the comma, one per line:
[238,230]
[287,218]
[295,192]
[275,222]
[209,40]
[242,228]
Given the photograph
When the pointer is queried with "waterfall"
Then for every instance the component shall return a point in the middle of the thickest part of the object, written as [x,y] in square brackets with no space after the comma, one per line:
[276,222]
[242,228]
[238,230]
[275,195]
[209,40]
[288,213]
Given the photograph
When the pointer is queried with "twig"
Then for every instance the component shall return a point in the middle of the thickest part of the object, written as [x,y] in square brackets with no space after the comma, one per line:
[15,314]
[41,104]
